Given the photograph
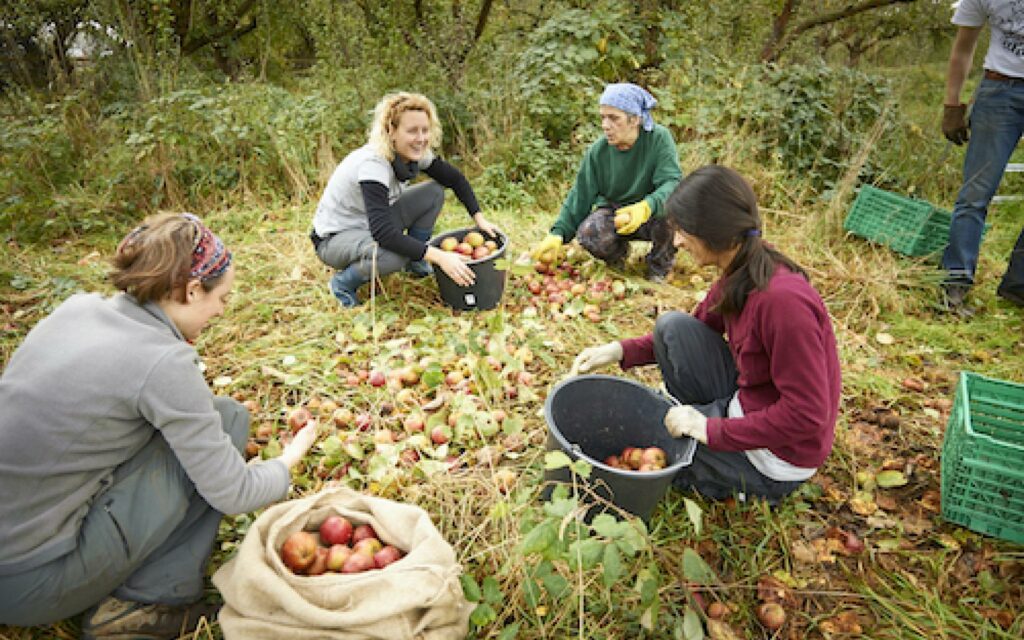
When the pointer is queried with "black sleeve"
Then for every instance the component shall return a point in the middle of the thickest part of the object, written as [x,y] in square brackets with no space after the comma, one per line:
[448,176]
[382,222]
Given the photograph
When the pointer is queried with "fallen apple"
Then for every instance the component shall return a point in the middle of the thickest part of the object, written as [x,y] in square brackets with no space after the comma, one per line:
[377,378]
[771,615]
[335,530]
[298,417]
[299,551]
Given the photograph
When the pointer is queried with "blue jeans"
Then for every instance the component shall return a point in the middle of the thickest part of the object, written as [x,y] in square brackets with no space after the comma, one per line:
[997,122]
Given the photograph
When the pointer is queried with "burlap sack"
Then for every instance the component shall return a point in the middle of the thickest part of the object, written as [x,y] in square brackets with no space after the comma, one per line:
[419,597]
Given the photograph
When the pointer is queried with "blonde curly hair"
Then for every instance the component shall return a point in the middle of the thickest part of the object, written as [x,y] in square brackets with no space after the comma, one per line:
[387,114]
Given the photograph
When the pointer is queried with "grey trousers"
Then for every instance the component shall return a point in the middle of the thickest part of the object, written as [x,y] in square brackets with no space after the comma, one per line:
[699,370]
[419,206]
[147,538]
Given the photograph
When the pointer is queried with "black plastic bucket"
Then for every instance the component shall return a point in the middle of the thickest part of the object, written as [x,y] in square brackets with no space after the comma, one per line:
[486,290]
[595,416]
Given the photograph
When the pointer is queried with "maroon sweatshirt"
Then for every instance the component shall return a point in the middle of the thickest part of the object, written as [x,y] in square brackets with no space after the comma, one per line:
[789,380]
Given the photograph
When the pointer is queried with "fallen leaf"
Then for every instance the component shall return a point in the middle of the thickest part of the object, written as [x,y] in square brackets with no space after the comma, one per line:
[891,478]
[771,589]
[884,338]
[886,502]
[931,500]
[719,630]
[863,504]
[803,552]
[914,384]
[846,623]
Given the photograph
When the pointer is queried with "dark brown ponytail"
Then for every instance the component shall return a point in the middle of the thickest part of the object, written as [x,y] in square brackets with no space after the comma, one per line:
[717,205]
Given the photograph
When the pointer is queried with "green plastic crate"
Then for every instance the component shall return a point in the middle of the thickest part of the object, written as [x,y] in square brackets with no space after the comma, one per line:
[983,458]
[908,226]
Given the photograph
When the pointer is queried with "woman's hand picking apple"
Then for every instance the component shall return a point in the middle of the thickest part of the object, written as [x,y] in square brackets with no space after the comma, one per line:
[687,421]
[485,225]
[297,449]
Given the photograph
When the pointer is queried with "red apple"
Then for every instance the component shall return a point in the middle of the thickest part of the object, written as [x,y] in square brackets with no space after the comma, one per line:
[362,532]
[535,287]
[480,252]
[632,456]
[439,435]
[377,378]
[449,243]
[464,248]
[413,423]
[386,556]
[342,417]
[612,461]
[335,530]
[298,417]
[319,565]
[337,555]
[299,551]
[364,421]
[357,563]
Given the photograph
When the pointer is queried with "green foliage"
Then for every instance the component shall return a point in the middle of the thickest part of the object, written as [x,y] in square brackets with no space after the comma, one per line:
[568,59]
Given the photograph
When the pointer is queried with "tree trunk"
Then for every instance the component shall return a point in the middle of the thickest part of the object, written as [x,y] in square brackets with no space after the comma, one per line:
[779,25]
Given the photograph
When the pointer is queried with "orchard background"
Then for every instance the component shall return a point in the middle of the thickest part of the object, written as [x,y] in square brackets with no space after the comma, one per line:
[239,111]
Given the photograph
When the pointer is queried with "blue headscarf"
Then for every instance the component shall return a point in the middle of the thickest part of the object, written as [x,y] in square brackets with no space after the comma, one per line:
[632,99]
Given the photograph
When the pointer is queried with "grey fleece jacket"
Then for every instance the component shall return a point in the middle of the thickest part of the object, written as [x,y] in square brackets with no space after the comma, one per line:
[86,390]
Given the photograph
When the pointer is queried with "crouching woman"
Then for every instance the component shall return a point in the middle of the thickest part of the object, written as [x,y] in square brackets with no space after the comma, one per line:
[762,405]
[116,460]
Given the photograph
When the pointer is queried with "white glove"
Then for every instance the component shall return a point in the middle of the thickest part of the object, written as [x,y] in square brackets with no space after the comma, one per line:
[687,421]
[595,357]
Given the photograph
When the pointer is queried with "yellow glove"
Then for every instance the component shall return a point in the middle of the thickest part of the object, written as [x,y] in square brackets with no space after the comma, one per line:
[547,249]
[638,214]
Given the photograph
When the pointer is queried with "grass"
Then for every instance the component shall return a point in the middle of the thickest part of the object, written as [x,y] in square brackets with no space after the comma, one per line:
[285,341]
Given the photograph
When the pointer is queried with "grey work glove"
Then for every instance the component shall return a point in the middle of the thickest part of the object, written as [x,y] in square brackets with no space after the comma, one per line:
[596,357]
[954,123]
[687,421]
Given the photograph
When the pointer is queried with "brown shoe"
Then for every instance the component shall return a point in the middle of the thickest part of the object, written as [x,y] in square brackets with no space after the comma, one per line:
[116,619]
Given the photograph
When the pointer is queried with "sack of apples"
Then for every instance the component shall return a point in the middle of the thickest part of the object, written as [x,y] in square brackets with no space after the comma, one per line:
[341,564]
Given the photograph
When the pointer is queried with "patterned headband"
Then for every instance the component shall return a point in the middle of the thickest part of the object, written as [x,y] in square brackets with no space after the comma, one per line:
[210,258]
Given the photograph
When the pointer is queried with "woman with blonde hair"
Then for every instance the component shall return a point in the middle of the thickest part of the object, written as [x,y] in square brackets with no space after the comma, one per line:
[116,459]
[370,219]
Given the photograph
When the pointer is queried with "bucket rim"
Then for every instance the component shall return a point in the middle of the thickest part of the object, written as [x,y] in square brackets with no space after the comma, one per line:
[570,447]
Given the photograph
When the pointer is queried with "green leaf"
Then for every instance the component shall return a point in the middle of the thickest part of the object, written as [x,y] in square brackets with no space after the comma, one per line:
[586,553]
[694,513]
[483,615]
[432,376]
[492,592]
[693,629]
[555,585]
[470,589]
[612,563]
[539,538]
[556,460]
[606,525]
[510,632]
[891,478]
[559,507]
[581,468]
[695,569]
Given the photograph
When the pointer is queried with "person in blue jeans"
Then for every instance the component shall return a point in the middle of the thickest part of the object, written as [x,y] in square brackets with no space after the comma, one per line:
[995,127]
[117,462]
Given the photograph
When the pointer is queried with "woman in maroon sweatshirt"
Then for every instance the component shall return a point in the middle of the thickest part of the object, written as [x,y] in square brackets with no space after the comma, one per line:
[755,367]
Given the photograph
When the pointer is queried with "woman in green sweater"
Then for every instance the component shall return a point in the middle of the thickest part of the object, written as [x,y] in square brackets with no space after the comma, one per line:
[621,187]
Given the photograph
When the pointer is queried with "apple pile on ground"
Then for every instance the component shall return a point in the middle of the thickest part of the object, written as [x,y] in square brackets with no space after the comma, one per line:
[568,288]
[338,546]
[471,246]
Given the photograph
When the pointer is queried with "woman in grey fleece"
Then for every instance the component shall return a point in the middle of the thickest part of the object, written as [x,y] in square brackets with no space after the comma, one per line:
[116,460]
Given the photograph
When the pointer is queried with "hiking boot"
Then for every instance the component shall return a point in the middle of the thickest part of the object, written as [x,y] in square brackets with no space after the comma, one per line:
[344,285]
[116,619]
[953,300]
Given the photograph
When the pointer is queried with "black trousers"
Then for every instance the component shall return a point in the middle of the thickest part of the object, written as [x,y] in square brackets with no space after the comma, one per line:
[699,370]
